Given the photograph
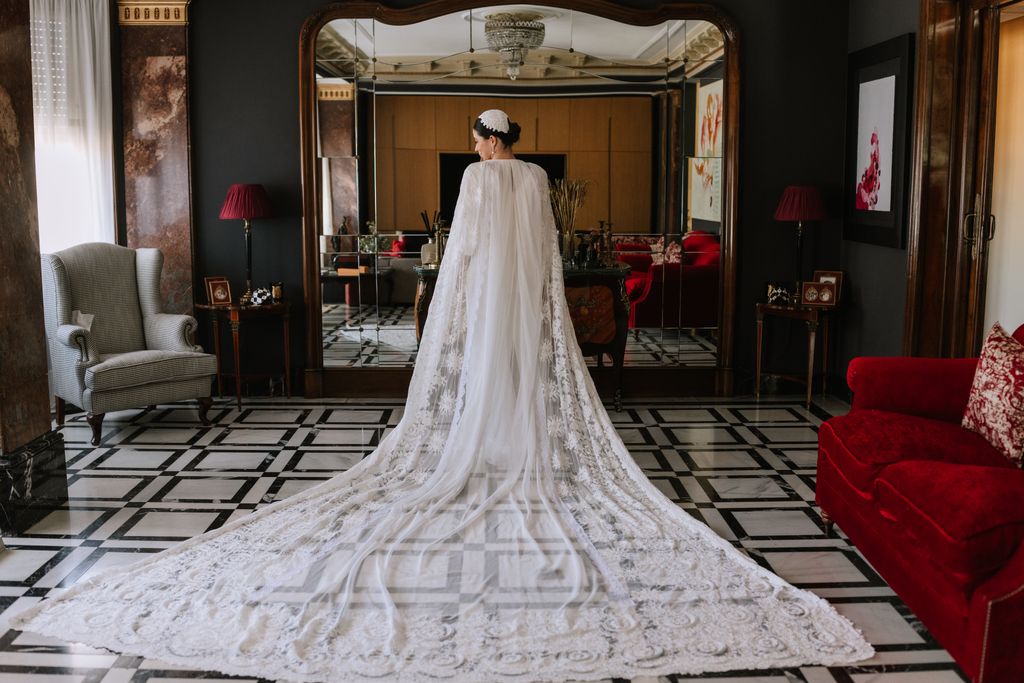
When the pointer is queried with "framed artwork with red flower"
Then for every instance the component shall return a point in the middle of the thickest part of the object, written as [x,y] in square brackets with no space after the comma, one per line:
[877,136]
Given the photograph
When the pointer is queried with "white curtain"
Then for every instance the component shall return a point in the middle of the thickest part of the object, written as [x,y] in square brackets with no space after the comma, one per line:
[71,86]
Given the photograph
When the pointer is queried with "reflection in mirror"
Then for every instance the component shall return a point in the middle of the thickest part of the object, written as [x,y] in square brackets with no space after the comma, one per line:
[635,112]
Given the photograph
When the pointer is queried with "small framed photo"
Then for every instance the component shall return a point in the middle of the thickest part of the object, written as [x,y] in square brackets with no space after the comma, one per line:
[218,291]
[834,277]
[818,294]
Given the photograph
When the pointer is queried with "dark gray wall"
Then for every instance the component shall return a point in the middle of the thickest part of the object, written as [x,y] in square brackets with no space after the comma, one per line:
[873,311]
[244,63]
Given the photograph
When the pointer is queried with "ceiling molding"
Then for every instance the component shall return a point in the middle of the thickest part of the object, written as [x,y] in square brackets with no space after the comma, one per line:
[152,12]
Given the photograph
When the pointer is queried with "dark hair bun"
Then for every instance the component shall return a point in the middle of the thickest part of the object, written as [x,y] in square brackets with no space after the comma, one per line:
[512,137]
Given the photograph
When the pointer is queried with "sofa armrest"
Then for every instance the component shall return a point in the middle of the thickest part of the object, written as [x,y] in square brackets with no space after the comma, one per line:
[993,624]
[170,332]
[78,338]
[936,388]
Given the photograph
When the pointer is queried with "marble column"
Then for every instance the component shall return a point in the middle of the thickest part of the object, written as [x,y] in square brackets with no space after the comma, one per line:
[336,115]
[33,477]
[157,166]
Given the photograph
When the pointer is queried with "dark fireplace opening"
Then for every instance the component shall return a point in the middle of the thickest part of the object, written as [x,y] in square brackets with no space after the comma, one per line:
[453,165]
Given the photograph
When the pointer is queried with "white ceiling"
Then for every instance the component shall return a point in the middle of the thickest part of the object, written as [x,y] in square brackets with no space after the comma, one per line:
[564,29]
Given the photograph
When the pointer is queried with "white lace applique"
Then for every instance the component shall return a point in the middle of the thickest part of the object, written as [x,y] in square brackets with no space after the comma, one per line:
[501,532]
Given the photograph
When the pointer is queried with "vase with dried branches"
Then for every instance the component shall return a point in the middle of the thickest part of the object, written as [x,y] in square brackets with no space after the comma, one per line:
[566,199]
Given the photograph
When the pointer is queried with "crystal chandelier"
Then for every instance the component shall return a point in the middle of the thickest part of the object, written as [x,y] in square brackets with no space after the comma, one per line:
[511,35]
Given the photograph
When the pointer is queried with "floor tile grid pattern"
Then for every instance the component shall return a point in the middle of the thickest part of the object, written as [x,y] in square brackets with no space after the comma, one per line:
[357,336]
[746,469]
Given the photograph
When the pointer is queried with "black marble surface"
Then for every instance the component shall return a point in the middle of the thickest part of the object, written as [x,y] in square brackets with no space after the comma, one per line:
[33,482]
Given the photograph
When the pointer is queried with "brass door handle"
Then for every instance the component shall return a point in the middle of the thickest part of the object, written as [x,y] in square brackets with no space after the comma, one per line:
[969,224]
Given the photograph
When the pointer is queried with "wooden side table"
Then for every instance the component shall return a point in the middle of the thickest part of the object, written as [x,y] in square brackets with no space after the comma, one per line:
[235,314]
[812,316]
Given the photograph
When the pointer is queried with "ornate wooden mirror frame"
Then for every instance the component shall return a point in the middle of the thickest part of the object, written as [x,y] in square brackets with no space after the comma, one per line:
[393,382]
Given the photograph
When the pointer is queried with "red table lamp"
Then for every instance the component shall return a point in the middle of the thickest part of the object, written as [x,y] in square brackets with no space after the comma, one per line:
[246,202]
[800,203]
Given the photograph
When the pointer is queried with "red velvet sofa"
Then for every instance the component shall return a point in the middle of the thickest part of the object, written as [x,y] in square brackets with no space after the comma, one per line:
[677,294]
[935,509]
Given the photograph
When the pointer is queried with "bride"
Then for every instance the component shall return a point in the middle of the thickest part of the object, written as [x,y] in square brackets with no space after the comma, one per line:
[500,532]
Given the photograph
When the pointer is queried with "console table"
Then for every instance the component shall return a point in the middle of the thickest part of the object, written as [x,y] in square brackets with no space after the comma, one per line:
[235,314]
[598,307]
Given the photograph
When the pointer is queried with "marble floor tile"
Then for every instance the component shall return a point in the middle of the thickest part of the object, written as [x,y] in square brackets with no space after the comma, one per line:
[17,564]
[131,459]
[789,434]
[812,567]
[713,460]
[777,523]
[65,522]
[747,488]
[205,489]
[102,487]
[172,524]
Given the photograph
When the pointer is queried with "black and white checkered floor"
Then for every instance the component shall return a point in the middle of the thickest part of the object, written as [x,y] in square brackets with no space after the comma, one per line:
[385,336]
[745,469]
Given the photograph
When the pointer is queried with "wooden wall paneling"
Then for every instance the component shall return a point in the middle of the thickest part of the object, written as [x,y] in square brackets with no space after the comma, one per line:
[552,125]
[631,124]
[414,122]
[592,166]
[416,187]
[630,176]
[524,112]
[384,163]
[452,123]
[588,123]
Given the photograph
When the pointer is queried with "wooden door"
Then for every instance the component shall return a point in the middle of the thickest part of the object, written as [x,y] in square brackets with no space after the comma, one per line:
[977,222]
[951,196]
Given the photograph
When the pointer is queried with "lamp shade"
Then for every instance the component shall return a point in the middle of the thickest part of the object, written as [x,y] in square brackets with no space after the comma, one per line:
[800,203]
[245,202]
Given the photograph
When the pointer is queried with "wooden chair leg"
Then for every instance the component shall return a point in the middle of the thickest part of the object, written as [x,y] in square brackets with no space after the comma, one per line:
[204,408]
[829,523]
[59,403]
[96,422]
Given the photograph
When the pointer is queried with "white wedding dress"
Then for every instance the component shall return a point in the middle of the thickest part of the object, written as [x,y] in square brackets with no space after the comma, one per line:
[501,532]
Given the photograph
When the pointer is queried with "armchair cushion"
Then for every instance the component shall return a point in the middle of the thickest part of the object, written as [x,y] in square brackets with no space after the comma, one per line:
[124,370]
[864,442]
[170,332]
[995,408]
[969,517]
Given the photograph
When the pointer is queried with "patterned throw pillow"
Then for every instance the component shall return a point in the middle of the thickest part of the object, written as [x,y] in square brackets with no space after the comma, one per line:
[995,408]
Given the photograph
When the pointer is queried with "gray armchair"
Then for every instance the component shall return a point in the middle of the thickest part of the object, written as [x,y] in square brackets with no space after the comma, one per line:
[128,354]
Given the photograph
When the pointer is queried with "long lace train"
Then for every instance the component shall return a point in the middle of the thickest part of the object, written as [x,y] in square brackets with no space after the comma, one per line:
[501,532]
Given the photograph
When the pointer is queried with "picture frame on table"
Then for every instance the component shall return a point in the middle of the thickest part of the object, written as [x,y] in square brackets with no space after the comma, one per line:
[834,277]
[877,142]
[218,291]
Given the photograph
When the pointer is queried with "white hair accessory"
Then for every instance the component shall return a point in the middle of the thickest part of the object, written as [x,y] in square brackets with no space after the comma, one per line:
[495,119]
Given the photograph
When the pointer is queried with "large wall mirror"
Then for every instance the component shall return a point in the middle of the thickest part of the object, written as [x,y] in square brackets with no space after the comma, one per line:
[639,108]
